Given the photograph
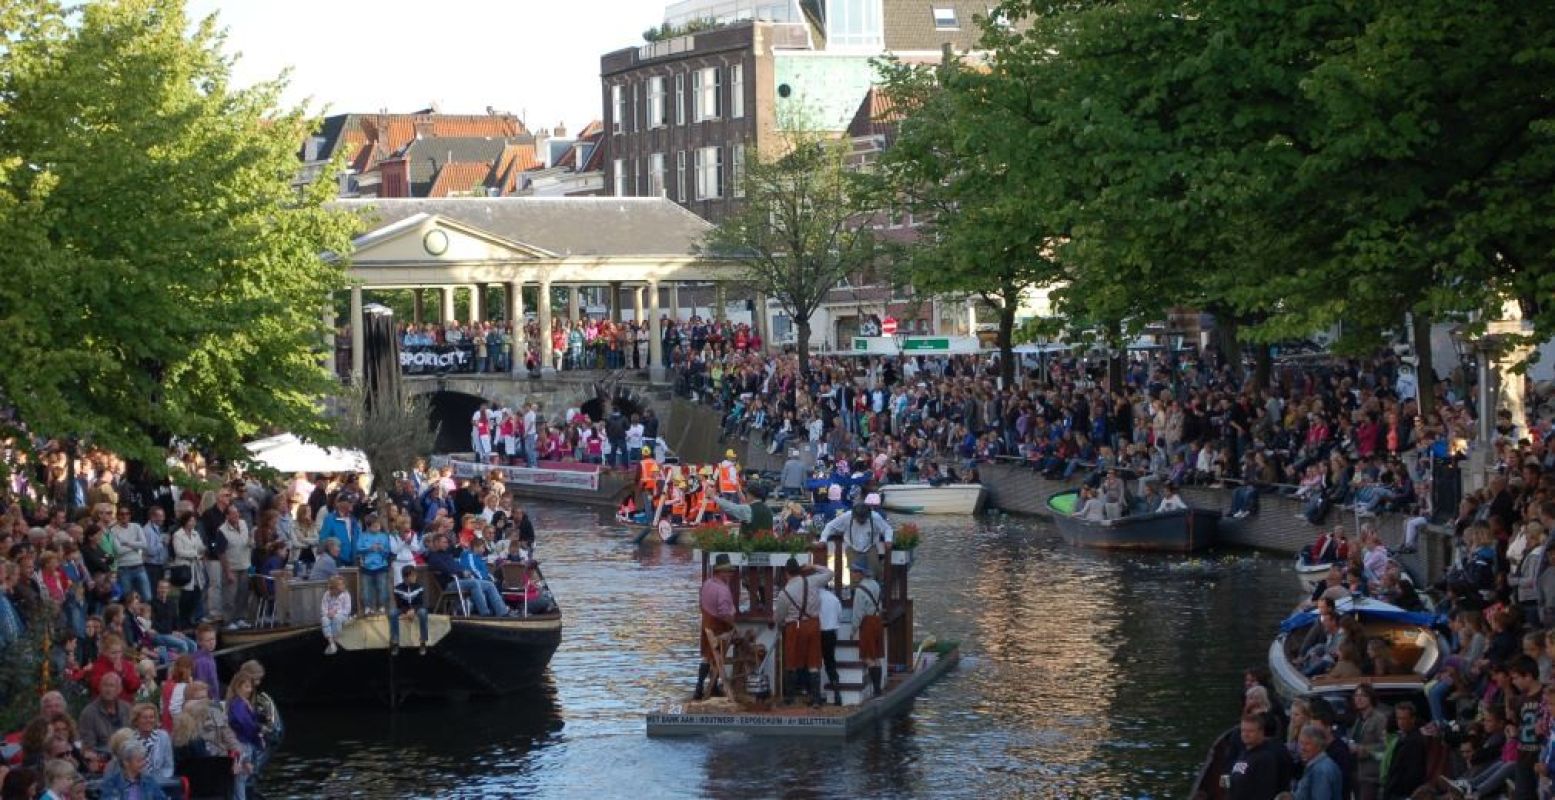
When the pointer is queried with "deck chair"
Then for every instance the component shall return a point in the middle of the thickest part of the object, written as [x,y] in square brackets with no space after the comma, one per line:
[445,602]
[262,591]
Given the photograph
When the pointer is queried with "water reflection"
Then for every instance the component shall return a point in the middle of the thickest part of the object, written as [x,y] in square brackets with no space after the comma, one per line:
[1085,675]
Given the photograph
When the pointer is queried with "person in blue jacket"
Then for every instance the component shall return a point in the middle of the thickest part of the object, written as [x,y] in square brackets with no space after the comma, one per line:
[375,552]
[467,575]
[340,525]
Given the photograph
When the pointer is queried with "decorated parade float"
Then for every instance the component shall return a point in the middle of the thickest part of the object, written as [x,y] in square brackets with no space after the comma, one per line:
[749,658]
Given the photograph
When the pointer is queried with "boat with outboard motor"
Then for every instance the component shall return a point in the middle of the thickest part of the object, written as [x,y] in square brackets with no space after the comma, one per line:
[1181,531]
[1414,640]
[922,498]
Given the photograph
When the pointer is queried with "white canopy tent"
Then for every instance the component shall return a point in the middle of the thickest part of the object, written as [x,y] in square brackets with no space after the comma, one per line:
[287,453]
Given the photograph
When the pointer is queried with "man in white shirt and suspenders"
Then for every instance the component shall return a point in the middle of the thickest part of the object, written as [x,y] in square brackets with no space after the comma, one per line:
[798,608]
[867,627]
[865,533]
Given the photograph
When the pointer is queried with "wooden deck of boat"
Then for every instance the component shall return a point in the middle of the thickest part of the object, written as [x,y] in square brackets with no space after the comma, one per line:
[722,716]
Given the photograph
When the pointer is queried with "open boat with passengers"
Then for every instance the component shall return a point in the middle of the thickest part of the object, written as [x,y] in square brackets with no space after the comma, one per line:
[748,659]
[1412,638]
[1182,531]
[465,654]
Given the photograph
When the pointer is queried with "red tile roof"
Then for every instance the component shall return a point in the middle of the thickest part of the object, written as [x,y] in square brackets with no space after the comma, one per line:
[459,178]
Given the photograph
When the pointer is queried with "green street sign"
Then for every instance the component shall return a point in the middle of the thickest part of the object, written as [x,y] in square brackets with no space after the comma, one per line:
[939,344]
[860,343]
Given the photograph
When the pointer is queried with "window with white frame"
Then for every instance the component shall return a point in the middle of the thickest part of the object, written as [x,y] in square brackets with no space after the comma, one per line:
[855,24]
[619,171]
[656,175]
[617,109]
[709,172]
[680,177]
[637,106]
[945,19]
[680,98]
[656,118]
[737,169]
[705,96]
[737,91]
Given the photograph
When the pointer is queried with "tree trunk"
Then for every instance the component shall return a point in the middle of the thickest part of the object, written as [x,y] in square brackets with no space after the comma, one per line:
[1425,367]
[1263,365]
[1007,344]
[1230,349]
[803,339]
[1117,354]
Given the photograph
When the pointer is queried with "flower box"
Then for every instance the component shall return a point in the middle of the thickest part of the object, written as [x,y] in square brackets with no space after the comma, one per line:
[901,558]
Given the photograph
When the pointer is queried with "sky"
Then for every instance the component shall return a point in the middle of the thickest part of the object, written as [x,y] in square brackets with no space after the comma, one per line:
[535,58]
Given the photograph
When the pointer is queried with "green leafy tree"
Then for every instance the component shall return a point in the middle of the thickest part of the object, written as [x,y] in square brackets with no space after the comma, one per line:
[988,230]
[799,230]
[163,273]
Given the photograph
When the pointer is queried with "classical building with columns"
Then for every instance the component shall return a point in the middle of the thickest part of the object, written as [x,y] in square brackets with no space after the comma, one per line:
[638,247]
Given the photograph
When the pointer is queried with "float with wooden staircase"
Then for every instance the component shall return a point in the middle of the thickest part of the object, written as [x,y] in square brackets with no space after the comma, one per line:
[910,665]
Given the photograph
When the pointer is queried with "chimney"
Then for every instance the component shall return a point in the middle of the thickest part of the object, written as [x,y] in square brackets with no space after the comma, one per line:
[424,127]
[561,131]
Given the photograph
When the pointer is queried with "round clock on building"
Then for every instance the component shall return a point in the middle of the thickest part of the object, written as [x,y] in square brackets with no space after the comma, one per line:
[435,242]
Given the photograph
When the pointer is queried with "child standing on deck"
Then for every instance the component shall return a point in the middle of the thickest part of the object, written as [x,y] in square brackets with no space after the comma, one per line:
[336,611]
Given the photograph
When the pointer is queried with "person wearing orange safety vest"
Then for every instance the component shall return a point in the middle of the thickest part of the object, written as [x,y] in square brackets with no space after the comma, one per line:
[648,478]
[707,509]
[729,477]
[677,501]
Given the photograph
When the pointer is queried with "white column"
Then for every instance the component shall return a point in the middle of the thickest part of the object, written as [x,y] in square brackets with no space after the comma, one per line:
[572,305]
[655,344]
[971,317]
[637,304]
[418,308]
[719,301]
[615,301]
[358,336]
[544,315]
[475,302]
[762,324]
[329,335]
[675,300]
[515,315]
[448,304]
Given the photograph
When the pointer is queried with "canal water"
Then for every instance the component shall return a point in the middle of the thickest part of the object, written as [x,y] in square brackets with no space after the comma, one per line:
[1084,675]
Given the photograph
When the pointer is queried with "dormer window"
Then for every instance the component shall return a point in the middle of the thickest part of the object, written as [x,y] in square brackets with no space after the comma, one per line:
[945,19]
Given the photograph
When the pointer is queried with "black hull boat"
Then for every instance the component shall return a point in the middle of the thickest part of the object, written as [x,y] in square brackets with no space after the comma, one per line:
[1182,531]
[466,656]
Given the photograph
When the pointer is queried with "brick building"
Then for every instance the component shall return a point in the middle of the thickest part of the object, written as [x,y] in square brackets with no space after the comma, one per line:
[683,111]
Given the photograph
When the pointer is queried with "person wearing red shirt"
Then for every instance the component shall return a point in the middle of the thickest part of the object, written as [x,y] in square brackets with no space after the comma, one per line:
[113,660]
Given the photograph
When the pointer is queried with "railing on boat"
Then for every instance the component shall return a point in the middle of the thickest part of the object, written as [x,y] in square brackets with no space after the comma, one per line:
[761,577]
[296,602]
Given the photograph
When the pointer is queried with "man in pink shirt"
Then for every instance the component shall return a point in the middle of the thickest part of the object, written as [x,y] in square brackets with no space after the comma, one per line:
[717,618]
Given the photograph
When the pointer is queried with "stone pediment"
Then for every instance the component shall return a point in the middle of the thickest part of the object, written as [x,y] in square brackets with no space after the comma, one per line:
[424,239]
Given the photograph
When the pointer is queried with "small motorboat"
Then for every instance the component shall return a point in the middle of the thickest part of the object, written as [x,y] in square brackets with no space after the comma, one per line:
[922,498]
[1413,638]
[1206,785]
[1310,574]
[1182,531]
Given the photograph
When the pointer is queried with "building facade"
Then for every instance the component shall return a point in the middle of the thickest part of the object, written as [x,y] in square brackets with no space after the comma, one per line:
[720,78]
